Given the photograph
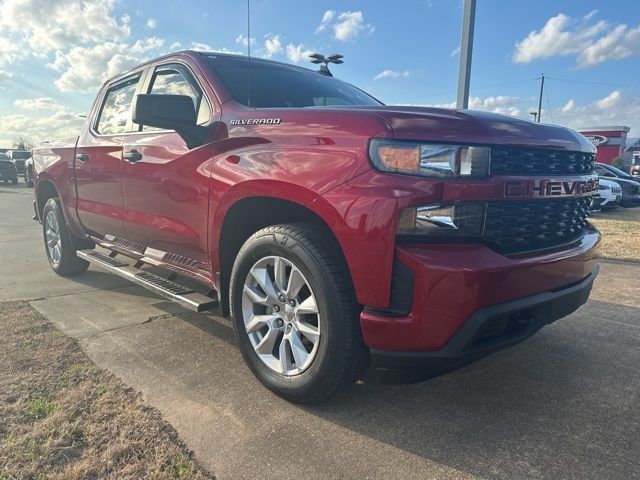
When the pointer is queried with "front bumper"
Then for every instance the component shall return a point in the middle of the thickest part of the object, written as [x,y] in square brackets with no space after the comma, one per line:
[493,328]
[452,283]
[8,174]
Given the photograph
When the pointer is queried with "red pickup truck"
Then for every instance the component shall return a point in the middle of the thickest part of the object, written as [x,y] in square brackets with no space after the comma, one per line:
[333,229]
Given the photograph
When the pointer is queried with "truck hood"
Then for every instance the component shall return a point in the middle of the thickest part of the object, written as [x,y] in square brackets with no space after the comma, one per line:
[440,124]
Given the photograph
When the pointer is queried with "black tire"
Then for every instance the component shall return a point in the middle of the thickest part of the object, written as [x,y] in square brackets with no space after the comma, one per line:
[341,355]
[68,263]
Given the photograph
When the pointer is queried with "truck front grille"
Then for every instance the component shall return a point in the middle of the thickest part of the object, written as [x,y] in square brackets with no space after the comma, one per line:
[520,226]
[516,161]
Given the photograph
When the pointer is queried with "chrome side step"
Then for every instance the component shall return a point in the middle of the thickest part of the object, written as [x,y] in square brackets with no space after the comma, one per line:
[185,296]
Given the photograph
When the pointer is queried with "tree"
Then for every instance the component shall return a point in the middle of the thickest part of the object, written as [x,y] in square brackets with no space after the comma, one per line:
[22,143]
[618,162]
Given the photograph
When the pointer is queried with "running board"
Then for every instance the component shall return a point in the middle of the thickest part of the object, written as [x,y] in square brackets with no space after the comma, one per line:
[185,296]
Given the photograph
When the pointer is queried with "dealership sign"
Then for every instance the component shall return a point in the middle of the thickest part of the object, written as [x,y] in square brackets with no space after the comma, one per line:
[597,140]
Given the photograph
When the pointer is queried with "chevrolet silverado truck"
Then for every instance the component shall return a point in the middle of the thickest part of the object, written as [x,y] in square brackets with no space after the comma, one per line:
[334,230]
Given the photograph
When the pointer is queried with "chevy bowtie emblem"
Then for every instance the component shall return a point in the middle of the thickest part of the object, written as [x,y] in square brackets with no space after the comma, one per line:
[550,188]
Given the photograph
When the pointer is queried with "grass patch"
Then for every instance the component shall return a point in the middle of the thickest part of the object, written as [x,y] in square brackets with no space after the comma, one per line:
[620,230]
[61,417]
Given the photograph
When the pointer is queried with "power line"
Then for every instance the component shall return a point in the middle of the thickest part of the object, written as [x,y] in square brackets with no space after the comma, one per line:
[503,84]
[546,94]
[587,82]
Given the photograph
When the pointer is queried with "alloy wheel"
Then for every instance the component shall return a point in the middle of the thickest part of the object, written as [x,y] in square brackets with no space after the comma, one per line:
[52,233]
[281,315]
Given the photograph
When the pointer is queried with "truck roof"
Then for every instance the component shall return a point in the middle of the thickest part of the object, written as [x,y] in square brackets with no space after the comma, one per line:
[195,53]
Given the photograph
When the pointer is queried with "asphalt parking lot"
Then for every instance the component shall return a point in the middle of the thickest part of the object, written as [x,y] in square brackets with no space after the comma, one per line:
[565,404]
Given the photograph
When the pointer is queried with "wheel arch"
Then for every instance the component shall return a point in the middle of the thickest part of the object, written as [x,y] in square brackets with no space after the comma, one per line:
[248,215]
[45,189]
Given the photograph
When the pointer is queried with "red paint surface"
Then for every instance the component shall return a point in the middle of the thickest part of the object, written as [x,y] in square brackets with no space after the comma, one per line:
[176,199]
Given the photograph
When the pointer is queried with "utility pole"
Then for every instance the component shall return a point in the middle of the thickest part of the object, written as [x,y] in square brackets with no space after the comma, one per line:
[466,48]
[540,99]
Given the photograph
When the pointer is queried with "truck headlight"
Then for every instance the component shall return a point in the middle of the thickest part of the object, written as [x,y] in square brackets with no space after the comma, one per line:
[429,159]
[466,220]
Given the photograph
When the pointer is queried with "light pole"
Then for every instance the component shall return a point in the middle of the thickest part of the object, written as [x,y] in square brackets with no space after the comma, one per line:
[321,59]
[466,48]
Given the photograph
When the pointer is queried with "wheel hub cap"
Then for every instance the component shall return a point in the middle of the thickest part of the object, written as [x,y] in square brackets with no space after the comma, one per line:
[281,316]
[52,237]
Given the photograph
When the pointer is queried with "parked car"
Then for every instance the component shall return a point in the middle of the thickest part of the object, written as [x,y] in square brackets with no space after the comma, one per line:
[8,171]
[19,157]
[609,195]
[333,229]
[630,187]
[29,172]
[635,166]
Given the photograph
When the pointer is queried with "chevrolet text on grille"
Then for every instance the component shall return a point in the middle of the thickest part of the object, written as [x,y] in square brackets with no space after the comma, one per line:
[550,188]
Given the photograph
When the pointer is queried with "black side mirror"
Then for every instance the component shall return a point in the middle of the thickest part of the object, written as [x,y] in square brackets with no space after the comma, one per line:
[169,112]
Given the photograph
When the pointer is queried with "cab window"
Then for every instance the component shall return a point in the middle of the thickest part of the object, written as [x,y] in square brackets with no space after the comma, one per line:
[175,80]
[115,113]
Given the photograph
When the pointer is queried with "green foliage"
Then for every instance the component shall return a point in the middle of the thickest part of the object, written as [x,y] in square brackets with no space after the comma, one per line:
[618,162]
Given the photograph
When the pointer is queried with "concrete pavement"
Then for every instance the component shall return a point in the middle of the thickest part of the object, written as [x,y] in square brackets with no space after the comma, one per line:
[564,404]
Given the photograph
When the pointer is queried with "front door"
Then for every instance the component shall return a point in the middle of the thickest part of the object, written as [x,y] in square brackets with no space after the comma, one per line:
[165,184]
[98,163]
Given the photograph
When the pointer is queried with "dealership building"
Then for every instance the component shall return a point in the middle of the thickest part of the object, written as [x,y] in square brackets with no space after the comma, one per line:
[609,141]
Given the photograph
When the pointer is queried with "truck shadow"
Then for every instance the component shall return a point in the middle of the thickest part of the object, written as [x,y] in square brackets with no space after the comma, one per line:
[535,410]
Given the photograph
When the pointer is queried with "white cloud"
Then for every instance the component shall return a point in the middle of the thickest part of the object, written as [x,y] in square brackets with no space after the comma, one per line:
[243,40]
[41,26]
[326,19]
[591,14]
[613,100]
[591,43]
[40,103]
[613,109]
[61,123]
[455,52]
[391,74]
[272,45]
[297,53]
[349,26]
[10,51]
[4,76]
[346,25]
[152,23]
[85,68]
[175,46]
[203,47]
[568,107]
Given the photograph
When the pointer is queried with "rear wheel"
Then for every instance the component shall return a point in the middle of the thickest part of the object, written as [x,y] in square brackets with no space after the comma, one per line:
[295,315]
[57,241]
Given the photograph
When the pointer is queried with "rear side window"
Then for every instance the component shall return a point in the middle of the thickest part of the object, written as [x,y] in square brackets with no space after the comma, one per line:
[115,113]
[174,80]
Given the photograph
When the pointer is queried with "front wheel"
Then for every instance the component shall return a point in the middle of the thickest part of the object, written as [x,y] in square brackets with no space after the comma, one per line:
[295,314]
[57,241]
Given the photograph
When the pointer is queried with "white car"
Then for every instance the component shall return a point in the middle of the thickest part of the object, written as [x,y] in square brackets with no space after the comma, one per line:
[609,195]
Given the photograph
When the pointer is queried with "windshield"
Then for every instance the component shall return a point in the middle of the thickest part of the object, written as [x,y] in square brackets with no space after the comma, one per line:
[616,171]
[20,155]
[275,85]
[4,157]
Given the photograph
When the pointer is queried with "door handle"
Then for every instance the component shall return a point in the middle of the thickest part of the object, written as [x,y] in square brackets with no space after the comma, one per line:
[132,155]
[83,157]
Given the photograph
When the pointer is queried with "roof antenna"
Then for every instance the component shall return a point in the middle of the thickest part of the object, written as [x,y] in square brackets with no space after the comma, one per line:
[248,53]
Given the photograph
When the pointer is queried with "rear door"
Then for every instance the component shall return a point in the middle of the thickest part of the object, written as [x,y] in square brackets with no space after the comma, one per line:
[165,184]
[98,164]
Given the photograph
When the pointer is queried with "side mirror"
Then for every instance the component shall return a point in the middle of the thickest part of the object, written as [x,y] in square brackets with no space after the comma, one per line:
[169,112]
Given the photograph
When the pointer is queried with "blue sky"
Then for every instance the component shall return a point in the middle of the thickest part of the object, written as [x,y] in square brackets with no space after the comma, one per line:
[55,54]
